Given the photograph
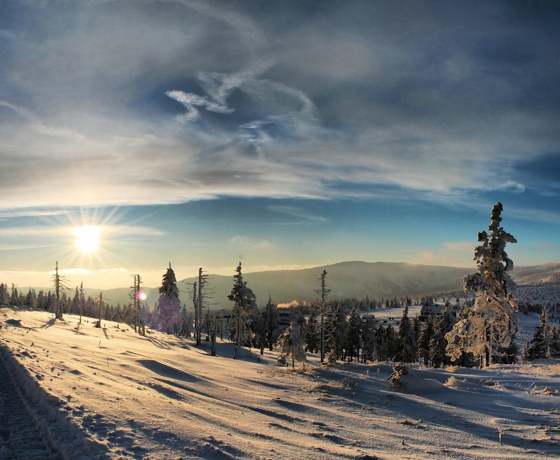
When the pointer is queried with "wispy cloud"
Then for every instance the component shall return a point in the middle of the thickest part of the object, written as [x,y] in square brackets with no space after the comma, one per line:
[299,214]
[123,103]
[243,241]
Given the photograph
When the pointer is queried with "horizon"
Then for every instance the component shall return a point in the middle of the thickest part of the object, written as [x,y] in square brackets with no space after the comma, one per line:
[284,135]
[70,288]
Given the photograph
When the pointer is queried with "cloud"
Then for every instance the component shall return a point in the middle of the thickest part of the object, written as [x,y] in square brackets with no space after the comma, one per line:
[191,101]
[299,214]
[75,272]
[36,124]
[114,269]
[449,253]
[243,241]
[462,246]
[122,103]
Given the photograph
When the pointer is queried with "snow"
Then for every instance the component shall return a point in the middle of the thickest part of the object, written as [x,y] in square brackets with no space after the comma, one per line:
[110,393]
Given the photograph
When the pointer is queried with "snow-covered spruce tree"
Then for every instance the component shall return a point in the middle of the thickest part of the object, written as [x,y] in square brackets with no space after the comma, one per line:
[388,341]
[270,314]
[368,339]
[442,326]
[405,348]
[335,333]
[258,328]
[416,328]
[244,302]
[426,333]
[311,333]
[554,341]
[292,344]
[489,331]
[353,335]
[538,347]
[185,322]
[168,307]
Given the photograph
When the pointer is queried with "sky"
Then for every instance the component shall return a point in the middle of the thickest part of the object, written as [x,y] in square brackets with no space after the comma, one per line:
[280,134]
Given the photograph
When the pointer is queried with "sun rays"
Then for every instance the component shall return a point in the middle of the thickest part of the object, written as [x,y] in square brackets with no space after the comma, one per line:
[87,238]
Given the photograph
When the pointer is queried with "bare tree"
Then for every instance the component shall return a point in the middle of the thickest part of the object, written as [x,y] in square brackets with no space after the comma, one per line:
[59,287]
[322,304]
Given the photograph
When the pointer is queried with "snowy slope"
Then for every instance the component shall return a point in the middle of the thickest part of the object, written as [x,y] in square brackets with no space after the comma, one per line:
[109,393]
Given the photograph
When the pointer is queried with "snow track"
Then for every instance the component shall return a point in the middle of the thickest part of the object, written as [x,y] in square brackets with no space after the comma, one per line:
[20,438]
[35,424]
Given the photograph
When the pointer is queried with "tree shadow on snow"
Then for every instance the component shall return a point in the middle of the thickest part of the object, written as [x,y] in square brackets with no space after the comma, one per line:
[166,371]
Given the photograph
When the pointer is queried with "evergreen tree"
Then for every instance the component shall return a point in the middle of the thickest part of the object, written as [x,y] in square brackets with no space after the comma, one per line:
[368,339]
[490,329]
[292,344]
[168,307]
[184,324]
[389,343]
[538,347]
[75,305]
[271,323]
[244,303]
[416,328]
[259,329]
[311,333]
[168,286]
[426,334]
[353,335]
[438,342]
[554,341]
[405,350]
[335,333]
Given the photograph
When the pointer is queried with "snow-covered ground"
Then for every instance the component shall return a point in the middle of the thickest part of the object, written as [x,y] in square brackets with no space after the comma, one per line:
[110,393]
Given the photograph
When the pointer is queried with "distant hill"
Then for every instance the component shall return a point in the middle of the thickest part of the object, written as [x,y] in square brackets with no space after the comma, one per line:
[345,279]
[537,274]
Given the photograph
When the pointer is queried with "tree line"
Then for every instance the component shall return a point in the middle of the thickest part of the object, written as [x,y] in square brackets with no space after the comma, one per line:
[482,332]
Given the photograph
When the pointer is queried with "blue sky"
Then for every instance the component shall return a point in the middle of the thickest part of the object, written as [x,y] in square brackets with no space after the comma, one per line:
[284,134]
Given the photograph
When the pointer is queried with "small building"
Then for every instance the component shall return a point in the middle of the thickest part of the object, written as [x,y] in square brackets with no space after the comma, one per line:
[428,311]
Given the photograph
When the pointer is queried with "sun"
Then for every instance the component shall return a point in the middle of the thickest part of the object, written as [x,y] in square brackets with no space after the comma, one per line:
[87,238]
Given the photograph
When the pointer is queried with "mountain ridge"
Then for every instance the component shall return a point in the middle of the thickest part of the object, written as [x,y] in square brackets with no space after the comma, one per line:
[356,279]
[344,279]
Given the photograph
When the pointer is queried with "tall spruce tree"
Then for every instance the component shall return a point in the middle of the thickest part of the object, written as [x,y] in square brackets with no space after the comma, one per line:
[426,333]
[353,335]
[388,342]
[168,307]
[311,332]
[368,338]
[244,302]
[271,323]
[335,333]
[405,349]
[539,346]
[490,329]
[438,343]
